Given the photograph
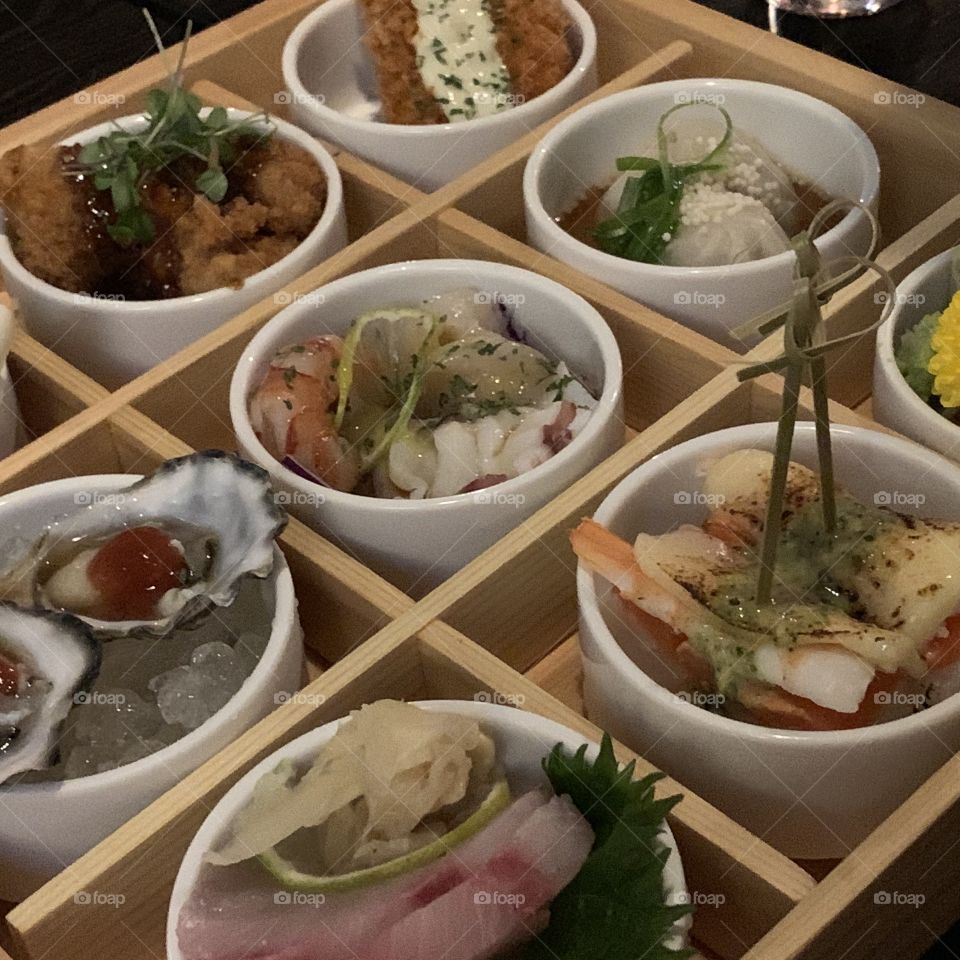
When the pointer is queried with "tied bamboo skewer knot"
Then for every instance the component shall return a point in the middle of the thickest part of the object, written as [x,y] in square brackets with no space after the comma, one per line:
[805,347]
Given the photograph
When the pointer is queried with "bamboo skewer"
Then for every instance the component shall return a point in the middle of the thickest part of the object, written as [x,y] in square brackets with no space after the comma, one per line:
[804,355]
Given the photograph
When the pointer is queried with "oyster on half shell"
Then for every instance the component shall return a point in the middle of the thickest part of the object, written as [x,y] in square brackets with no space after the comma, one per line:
[46,659]
[158,553]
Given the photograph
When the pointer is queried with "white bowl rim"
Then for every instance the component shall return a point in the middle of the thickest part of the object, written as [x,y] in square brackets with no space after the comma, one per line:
[79,788]
[169,309]
[750,434]
[886,351]
[242,383]
[674,880]
[291,77]
[869,191]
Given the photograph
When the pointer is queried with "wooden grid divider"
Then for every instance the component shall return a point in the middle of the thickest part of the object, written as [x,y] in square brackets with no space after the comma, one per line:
[514,607]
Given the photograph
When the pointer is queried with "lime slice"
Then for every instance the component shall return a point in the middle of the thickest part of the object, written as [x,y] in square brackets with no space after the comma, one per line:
[293,879]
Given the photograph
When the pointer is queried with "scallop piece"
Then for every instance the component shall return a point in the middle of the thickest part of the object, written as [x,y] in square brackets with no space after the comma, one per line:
[182,539]
[466,311]
[46,660]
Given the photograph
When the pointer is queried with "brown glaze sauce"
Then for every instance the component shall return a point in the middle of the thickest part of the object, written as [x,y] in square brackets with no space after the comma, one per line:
[581,220]
[152,271]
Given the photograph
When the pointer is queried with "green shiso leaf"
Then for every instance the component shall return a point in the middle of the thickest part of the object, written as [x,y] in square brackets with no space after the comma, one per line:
[613,909]
[914,355]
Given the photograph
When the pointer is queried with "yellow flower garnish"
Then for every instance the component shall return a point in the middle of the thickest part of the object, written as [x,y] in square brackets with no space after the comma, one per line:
[945,362]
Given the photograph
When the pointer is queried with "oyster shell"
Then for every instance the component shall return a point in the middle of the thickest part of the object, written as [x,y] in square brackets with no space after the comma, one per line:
[214,513]
[46,659]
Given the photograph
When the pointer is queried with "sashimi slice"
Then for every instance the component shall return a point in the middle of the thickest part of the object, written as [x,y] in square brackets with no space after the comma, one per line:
[239,911]
[501,903]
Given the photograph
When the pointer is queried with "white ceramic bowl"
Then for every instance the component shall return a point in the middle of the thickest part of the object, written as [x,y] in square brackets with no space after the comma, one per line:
[522,740]
[810,137]
[9,413]
[927,290]
[332,92]
[811,795]
[116,340]
[46,826]
[419,543]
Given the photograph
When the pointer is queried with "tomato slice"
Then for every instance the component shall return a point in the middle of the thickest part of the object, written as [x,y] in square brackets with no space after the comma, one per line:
[944,650]
[672,644]
[133,570]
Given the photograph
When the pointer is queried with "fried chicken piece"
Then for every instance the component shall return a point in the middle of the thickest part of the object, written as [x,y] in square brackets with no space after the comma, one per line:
[288,182]
[221,248]
[58,221]
[531,40]
[404,97]
[50,227]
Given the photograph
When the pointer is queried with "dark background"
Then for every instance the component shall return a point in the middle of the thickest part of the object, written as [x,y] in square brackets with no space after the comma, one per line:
[52,48]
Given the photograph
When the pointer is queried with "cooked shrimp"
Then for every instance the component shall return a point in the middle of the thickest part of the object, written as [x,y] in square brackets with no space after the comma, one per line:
[775,707]
[613,558]
[293,408]
[810,686]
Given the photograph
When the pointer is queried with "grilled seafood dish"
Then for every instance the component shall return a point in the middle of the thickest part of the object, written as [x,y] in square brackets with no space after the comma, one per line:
[863,626]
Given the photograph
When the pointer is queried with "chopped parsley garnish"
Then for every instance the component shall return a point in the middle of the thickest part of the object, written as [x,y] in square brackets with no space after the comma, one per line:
[460,387]
[558,386]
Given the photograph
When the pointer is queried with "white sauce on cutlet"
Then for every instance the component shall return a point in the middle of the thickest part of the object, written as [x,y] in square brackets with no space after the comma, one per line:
[456,50]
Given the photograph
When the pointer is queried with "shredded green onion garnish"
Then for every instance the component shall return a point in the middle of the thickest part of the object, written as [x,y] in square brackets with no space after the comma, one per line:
[406,411]
[648,212]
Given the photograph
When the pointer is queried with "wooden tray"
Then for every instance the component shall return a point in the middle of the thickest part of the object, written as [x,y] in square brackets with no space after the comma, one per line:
[507,622]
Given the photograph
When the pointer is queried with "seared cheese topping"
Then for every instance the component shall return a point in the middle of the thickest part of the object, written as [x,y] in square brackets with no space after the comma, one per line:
[456,50]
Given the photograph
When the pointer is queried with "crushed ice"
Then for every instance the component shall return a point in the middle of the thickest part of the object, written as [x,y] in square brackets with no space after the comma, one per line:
[152,691]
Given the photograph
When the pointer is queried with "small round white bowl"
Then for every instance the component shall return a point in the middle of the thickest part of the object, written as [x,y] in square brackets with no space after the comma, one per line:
[113,340]
[419,543]
[522,740]
[9,413]
[810,795]
[332,92]
[46,826]
[927,290]
[812,138]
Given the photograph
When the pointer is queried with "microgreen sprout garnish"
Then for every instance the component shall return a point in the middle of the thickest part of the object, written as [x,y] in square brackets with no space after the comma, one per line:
[648,212]
[122,161]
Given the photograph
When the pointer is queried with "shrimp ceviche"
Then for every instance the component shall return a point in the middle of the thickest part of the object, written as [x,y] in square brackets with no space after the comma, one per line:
[439,398]
[863,625]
